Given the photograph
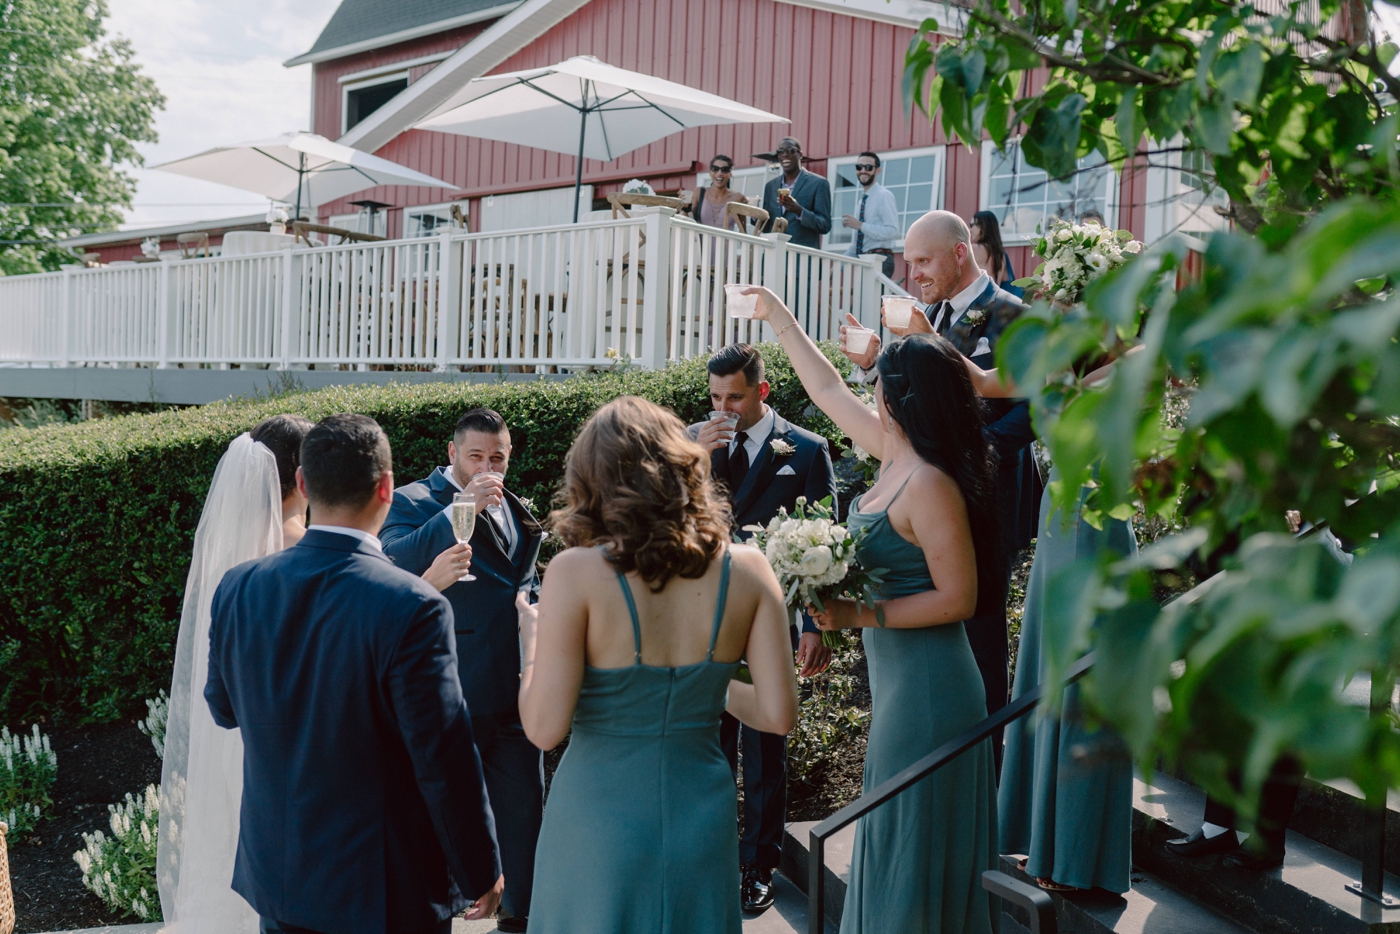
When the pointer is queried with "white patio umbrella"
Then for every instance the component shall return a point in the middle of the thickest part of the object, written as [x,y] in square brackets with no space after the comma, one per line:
[583,107]
[281,167]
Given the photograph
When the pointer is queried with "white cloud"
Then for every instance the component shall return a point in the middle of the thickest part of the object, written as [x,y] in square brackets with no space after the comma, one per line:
[219,66]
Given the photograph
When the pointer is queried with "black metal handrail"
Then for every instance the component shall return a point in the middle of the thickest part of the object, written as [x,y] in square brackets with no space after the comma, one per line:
[886,790]
[1038,905]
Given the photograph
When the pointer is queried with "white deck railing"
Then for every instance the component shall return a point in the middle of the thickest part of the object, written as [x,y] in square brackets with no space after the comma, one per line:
[648,289]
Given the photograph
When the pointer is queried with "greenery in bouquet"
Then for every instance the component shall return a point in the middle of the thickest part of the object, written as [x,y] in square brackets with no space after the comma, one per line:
[28,769]
[1075,255]
[121,869]
[815,559]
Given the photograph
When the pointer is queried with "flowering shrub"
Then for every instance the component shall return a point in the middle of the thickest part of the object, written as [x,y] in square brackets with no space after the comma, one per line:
[28,768]
[867,466]
[814,557]
[157,712]
[1075,255]
[121,869]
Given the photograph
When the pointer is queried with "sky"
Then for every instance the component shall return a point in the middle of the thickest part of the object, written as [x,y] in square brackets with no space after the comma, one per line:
[219,65]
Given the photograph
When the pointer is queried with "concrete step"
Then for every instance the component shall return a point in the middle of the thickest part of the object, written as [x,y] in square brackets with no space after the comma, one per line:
[1307,895]
[1149,907]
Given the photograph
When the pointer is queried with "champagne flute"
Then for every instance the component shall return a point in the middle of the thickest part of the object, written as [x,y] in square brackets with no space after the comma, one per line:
[463,522]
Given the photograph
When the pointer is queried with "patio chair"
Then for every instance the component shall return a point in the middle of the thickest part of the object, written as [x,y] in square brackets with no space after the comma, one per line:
[302,230]
[191,243]
[92,260]
[745,213]
[620,203]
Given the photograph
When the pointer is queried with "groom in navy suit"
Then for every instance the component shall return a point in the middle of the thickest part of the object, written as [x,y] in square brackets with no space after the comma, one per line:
[505,544]
[364,808]
[766,463]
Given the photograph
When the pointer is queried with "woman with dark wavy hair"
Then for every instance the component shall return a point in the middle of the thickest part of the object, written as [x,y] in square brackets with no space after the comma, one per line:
[640,627]
[930,522]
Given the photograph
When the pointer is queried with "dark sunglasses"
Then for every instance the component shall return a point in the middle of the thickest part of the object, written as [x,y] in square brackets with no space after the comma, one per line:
[721,168]
[865,167]
[787,149]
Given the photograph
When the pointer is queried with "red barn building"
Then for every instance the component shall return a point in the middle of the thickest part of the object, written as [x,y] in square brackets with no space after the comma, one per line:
[834,67]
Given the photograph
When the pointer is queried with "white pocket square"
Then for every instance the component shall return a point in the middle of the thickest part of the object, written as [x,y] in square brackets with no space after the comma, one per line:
[983,346]
[787,471]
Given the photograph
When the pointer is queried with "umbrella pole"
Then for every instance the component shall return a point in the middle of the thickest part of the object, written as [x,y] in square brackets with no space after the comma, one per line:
[301,170]
[578,175]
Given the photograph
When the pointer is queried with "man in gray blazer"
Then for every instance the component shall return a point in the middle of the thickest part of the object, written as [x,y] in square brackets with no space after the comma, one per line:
[807,202]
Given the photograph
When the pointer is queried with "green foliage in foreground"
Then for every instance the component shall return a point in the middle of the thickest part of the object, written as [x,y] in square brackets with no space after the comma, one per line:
[99,517]
[121,869]
[1290,340]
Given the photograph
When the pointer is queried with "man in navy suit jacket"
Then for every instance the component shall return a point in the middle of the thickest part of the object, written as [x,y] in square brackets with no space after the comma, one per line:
[766,463]
[505,544]
[364,808]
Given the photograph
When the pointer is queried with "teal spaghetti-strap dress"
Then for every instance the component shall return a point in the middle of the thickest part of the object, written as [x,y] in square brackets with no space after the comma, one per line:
[1066,795]
[639,835]
[918,860]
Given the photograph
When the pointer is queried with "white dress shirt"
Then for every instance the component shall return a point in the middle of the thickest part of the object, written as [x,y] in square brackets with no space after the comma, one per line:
[362,535]
[496,513]
[755,436]
[881,224]
[963,300]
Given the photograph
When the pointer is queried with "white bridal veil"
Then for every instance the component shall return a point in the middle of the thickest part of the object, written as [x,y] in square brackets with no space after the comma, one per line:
[201,782]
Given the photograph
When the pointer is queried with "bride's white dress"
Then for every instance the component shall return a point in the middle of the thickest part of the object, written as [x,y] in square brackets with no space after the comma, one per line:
[202,773]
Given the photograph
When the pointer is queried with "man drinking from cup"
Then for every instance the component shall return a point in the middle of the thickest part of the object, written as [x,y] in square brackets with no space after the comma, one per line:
[765,463]
[505,543]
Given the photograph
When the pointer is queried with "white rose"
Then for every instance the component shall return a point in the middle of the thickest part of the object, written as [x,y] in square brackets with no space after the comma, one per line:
[816,561]
[1132,246]
[1062,235]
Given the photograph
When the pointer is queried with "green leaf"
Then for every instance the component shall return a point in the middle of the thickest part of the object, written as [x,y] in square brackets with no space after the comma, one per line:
[1053,140]
[974,66]
[1238,73]
[1127,121]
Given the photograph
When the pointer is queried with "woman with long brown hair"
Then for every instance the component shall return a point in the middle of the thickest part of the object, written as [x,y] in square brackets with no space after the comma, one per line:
[634,645]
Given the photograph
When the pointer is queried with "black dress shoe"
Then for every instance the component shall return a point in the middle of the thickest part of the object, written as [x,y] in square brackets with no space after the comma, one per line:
[1242,857]
[512,925]
[1198,845]
[756,891]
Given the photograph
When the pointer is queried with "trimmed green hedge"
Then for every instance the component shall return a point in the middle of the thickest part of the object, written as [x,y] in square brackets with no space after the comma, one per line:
[98,519]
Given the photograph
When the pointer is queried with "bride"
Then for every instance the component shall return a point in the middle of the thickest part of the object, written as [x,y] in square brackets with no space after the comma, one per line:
[253,509]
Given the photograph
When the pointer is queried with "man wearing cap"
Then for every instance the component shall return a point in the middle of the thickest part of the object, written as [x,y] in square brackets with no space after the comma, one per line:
[802,197]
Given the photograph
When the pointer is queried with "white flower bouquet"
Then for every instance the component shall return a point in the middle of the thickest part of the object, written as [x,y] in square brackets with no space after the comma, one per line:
[815,559]
[1075,255]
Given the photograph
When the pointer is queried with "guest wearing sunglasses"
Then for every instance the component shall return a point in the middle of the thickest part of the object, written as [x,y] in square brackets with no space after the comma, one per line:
[802,197]
[876,221]
[709,205]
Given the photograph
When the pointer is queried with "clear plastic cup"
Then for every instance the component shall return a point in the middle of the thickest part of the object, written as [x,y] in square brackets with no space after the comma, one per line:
[899,310]
[737,303]
[858,339]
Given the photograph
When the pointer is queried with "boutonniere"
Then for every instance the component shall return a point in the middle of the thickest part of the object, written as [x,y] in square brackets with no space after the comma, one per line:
[528,503]
[975,316]
[782,448]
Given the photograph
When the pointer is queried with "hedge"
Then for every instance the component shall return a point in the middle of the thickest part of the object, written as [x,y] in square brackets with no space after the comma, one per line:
[98,519]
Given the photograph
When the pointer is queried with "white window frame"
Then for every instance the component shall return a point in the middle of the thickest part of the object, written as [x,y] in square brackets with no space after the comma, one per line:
[442,210]
[834,164]
[1017,238]
[349,86]
[1165,187]
[355,222]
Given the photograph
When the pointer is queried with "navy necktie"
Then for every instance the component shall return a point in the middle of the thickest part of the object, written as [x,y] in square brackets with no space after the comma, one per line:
[738,463]
[860,234]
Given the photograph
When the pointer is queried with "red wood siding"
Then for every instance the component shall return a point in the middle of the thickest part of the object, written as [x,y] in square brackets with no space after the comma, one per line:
[836,77]
[326,75]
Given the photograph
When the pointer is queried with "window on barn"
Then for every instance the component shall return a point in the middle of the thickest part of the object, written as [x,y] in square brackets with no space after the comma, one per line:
[428,219]
[913,176]
[1182,194]
[365,97]
[1024,198]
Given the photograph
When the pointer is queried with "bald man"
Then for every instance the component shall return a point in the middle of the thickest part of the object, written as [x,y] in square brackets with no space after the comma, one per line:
[963,304]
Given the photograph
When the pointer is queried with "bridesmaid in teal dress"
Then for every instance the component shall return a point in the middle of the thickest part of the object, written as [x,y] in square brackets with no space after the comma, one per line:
[1066,794]
[639,630]
[929,520]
